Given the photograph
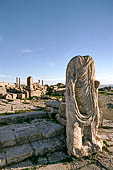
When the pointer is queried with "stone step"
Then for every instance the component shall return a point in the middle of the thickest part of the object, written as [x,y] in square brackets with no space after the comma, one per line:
[37,129]
[20,153]
[21,117]
[50,158]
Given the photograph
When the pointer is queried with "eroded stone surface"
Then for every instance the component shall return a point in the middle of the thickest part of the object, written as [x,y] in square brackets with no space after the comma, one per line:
[82,111]
[47,145]
[18,153]
[15,118]
[17,134]
[2,159]
[7,137]
[54,104]
[57,157]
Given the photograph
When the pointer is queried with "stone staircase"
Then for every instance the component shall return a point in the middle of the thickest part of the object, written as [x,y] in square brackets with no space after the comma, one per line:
[31,136]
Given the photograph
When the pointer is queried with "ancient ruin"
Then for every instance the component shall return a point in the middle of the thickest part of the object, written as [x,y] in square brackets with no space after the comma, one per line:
[30,83]
[82,111]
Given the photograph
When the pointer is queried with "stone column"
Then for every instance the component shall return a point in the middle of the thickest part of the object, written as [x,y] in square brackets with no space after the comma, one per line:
[38,83]
[82,111]
[42,82]
[19,82]
[30,83]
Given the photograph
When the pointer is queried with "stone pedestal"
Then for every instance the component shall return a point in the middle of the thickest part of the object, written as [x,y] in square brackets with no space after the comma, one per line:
[82,111]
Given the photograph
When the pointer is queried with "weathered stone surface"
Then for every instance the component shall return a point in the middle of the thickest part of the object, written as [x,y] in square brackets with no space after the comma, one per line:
[21,165]
[15,118]
[62,121]
[36,93]
[8,96]
[13,106]
[109,143]
[18,153]
[14,96]
[30,82]
[110,149]
[105,160]
[17,134]
[21,96]
[62,110]
[108,123]
[2,159]
[47,146]
[82,111]
[90,167]
[106,134]
[58,166]
[54,104]
[42,161]
[7,137]
[57,157]
[2,91]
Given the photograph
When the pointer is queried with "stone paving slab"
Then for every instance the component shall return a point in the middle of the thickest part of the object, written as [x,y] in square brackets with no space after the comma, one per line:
[2,159]
[16,105]
[22,165]
[59,166]
[108,123]
[28,166]
[110,149]
[17,134]
[14,118]
[57,157]
[18,153]
[54,104]
[101,161]
[42,162]
[7,137]
[90,167]
[47,146]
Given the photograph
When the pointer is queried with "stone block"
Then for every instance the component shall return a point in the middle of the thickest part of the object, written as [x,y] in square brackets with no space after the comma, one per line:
[2,159]
[7,137]
[2,90]
[18,153]
[21,96]
[14,96]
[47,145]
[54,104]
[62,110]
[57,157]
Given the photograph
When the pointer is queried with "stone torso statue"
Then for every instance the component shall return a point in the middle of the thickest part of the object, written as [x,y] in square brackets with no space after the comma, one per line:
[82,111]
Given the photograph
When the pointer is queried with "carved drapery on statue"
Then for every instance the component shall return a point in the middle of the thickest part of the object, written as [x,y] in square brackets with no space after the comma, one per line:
[82,111]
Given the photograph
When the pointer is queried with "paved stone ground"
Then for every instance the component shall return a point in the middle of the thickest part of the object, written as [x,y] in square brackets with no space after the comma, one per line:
[12,106]
[100,161]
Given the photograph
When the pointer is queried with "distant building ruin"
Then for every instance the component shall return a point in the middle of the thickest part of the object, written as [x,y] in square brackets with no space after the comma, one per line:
[30,83]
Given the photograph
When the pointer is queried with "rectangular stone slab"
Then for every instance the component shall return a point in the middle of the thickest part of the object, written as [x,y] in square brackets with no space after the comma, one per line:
[7,137]
[18,153]
[2,159]
[47,145]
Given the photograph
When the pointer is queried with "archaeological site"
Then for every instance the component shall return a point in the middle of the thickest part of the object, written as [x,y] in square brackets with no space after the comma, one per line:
[56,84]
[63,126]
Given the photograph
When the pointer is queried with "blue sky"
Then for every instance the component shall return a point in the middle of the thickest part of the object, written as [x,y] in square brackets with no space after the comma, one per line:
[39,37]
